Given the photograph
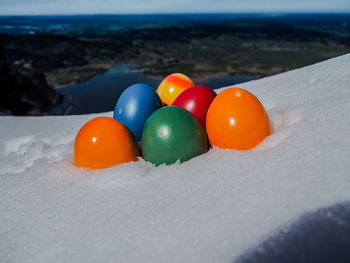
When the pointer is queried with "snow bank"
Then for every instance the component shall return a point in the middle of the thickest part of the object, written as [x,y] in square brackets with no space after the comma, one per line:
[209,209]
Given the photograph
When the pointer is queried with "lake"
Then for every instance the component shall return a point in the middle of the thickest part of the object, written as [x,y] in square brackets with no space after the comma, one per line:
[101,93]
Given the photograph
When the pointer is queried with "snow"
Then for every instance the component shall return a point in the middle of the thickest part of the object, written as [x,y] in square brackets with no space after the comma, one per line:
[212,208]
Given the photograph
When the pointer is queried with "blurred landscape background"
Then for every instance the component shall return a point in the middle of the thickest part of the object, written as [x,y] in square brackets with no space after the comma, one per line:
[75,64]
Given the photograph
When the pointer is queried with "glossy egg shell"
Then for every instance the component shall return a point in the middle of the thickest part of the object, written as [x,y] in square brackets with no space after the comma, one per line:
[197,101]
[134,107]
[171,134]
[172,86]
[103,142]
[236,120]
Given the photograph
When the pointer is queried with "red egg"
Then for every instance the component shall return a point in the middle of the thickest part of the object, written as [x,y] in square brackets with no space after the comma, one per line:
[197,101]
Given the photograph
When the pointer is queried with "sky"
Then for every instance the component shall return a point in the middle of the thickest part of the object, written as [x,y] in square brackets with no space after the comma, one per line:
[33,7]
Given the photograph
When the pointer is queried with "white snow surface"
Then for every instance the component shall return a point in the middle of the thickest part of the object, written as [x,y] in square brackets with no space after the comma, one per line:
[211,208]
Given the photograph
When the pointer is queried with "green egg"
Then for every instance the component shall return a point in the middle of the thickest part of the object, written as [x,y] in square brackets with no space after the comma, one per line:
[172,133]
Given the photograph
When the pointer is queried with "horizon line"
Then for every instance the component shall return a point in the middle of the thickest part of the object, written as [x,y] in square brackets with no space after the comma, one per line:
[282,12]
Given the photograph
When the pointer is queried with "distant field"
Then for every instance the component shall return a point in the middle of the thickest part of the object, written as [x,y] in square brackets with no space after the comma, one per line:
[229,54]
[72,49]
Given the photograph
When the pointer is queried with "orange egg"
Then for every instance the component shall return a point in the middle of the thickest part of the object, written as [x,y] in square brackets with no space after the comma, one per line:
[172,86]
[103,142]
[236,120]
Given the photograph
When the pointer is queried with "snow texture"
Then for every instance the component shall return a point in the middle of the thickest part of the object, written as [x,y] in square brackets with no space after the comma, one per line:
[211,208]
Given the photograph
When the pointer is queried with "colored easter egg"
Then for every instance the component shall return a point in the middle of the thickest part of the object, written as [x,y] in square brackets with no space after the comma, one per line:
[171,134]
[236,120]
[196,100]
[172,86]
[103,142]
[134,107]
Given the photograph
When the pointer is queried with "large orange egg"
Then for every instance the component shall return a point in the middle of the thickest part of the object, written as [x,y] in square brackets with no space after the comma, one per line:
[236,120]
[172,86]
[103,142]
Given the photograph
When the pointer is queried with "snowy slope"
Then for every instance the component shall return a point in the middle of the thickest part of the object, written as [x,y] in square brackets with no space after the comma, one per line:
[209,209]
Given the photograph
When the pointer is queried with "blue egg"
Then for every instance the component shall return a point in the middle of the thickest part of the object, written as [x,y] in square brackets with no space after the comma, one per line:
[135,105]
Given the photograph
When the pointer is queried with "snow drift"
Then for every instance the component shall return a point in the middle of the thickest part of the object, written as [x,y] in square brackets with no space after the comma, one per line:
[212,208]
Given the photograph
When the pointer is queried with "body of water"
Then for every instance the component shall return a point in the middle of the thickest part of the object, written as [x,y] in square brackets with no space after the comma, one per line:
[101,93]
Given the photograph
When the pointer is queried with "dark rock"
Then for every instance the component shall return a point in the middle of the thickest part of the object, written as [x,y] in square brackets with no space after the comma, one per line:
[2,51]
[25,91]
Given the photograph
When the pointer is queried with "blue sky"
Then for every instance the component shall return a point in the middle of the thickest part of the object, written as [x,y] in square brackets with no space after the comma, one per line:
[10,7]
